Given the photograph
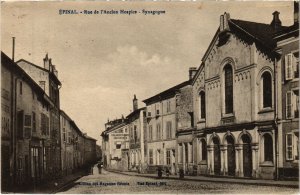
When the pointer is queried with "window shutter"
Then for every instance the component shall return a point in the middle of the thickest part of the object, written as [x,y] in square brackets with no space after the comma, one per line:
[289,146]
[27,126]
[289,104]
[289,66]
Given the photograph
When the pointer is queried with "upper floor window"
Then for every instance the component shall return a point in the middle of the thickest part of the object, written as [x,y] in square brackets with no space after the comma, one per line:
[42,85]
[169,130]
[33,122]
[150,132]
[202,104]
[158,132]
[267,90]
[21,87]
[64,134]
[135,133]
[168,106]
[292,104]
[228,89]
[291,62]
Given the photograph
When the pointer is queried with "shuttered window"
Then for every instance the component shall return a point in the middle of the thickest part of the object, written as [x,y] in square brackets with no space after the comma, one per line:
[150,132]
[151,157]
[289,66]
[289,146]
[27,126]
[169,130]
[33,122]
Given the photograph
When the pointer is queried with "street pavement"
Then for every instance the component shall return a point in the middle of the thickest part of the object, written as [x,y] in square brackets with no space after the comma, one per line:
[109,182]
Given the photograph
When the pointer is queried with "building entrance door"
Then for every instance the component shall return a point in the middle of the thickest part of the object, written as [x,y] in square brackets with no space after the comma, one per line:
[247,156]
[217,156]
[230,155]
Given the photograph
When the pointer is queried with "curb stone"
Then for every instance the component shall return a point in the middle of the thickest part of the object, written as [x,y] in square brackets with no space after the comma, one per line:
[215,181]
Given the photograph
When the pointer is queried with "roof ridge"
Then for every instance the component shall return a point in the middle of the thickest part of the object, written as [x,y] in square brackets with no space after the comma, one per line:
[32,64]
[170,88]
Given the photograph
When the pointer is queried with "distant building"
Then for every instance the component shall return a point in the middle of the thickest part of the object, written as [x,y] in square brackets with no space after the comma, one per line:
[137,128]
[89,150]
[116,144]
[164,119]
[115,139]
[287,94]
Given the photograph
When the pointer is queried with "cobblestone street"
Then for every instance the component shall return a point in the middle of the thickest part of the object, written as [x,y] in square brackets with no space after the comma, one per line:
[108,182]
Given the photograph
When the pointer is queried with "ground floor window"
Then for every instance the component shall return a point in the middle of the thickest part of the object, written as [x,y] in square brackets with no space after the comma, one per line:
[268,147]
[151,157]
[292,146]
[168,157]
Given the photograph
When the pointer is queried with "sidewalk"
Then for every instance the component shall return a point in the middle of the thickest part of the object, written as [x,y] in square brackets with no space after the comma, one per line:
[291,184]
[54,186]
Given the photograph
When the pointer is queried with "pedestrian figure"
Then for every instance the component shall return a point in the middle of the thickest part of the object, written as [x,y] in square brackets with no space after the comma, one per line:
[159,172]
[99,168]
[167,172]
[181,173]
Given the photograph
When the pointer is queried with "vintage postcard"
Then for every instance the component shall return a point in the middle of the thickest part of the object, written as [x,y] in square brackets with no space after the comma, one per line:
[155,97]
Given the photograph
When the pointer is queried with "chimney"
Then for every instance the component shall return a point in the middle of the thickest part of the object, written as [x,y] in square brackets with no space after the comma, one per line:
[296,12]
[224,21]
[55,71]
[276,23]
[46,62]
[135,103]
[192,72]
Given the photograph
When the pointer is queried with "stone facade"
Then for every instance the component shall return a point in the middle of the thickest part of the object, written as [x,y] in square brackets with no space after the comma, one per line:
[31,140]
[288,100]
[27,151]
[115,144]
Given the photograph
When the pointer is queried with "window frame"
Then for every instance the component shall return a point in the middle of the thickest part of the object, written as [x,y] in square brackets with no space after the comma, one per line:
[288,65]
[228,89]
[150,156]
[202,106]
[267,90]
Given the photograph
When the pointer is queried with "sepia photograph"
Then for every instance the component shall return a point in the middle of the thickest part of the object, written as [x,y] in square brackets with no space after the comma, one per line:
[149,97]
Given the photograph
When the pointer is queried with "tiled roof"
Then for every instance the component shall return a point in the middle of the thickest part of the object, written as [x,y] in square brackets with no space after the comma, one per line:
[167,93]
[134,112]
[260,32]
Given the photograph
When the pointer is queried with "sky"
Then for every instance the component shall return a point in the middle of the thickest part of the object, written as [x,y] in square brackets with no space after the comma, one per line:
[104,59]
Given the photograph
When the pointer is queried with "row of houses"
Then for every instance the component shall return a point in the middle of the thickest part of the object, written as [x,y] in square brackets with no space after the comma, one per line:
[39,141]
[237,114]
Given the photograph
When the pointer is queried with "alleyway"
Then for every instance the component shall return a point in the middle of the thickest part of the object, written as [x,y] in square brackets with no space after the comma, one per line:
[109,182]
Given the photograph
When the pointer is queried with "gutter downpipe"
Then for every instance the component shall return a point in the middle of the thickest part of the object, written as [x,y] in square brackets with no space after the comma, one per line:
[275,118]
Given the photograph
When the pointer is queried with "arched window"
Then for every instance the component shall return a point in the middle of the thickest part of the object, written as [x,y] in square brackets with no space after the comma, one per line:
[228,89]
[268,147]
[267,90]
[203,150]
[202,104]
